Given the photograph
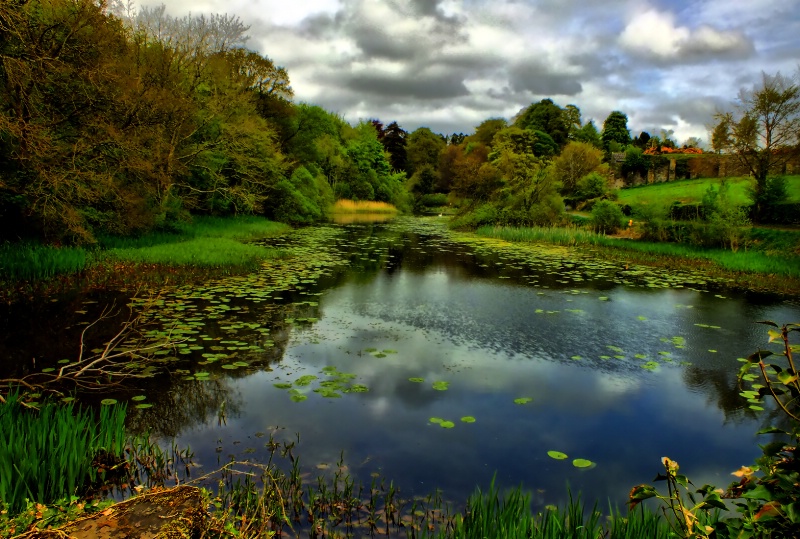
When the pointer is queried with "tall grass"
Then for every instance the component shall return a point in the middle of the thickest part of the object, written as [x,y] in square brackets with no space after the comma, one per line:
[32,262]
[362,206]
[48,455]
[787,264]
[208,252]
[492,516]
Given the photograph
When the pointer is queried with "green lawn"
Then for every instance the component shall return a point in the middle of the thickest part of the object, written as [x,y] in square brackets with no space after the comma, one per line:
[689,191]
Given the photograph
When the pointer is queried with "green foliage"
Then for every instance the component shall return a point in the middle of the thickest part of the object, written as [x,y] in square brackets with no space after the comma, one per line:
[607,217]
[615,130]
[589,135]
[303,198]
[592,185]
[775,191]
[548,118]
[434,200]
[653,219]
[475,217]
[423,147]
[576,160]
[48,454]
[634,162]
[485,132]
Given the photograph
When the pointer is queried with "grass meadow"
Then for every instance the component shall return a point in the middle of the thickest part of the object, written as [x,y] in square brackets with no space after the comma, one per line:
[692,191]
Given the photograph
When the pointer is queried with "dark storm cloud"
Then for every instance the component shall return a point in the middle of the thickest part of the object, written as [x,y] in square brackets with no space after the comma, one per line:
[403,86]
[536,78]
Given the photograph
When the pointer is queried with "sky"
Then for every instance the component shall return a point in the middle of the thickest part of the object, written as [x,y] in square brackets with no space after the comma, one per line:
[450,64]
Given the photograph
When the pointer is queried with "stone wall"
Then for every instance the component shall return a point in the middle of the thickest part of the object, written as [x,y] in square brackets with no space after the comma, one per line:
[665,168]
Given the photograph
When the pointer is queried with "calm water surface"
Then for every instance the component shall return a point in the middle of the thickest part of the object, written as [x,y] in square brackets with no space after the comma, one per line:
[621,366]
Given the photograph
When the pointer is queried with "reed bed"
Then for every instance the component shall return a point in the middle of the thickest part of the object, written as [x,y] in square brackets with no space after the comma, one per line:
[362,206]
[491,515]
[278,497]
[49,454]
[200,252]
[747,261]
[32,262]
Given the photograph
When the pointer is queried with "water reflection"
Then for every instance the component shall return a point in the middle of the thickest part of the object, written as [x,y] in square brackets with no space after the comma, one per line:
[361,218]
[624,366]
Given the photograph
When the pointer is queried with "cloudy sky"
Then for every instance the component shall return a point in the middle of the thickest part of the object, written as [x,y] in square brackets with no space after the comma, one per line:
[450,64]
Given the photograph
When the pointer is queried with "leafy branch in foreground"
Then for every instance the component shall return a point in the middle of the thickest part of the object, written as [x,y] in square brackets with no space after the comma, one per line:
[766,496]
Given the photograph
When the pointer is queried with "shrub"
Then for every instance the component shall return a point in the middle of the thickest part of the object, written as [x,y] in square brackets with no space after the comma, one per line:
[593,185]
[607,217]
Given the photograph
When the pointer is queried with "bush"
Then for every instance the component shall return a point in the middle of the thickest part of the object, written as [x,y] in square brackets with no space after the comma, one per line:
[485,214]
[654,219]
[593,185]
[607,217]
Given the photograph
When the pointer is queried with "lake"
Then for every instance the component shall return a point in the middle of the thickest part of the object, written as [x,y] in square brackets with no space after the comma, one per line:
[437,360]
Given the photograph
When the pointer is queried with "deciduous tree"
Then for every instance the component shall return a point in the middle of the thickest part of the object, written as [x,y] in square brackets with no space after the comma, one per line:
[615,131]
[764,131]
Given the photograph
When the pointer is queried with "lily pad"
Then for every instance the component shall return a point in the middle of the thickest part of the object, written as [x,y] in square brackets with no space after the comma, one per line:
[144,406]
[305,380]
[558,455]
[283,385]
[139,398]
[582,463]
[523,400]
[436,420]
[447,424]
[298,397]
[441,386]
[416,380]
[108,402]
[468,419]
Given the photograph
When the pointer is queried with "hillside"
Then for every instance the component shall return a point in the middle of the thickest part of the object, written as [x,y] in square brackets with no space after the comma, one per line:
[692,191]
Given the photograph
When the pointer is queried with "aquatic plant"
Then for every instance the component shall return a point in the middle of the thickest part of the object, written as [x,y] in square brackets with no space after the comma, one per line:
[35,262]
[56,451]
[492,515]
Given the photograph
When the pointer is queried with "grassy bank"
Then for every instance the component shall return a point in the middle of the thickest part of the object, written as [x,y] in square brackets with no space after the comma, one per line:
[692,191]
[748,268]
[206,242]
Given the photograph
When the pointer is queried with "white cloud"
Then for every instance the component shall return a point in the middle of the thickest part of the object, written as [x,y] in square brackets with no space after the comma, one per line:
[652,32]
[656,34]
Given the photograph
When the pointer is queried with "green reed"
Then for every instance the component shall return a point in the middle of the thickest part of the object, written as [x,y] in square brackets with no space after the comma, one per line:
[490,515]
[750,261]
[49,454]
[33,262]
